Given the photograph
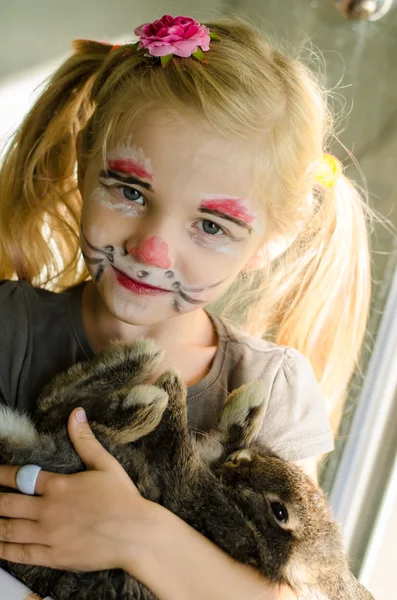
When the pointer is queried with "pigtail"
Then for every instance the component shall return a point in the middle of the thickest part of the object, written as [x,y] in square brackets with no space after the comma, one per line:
[39,198]
[316,295]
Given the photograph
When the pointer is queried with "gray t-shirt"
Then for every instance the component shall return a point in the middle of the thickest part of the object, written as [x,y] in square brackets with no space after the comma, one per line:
[42,334]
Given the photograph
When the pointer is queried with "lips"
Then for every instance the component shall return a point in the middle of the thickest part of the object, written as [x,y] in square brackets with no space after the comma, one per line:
[137,286]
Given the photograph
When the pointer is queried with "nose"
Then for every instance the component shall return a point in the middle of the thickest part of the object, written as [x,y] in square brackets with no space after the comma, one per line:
[153,251]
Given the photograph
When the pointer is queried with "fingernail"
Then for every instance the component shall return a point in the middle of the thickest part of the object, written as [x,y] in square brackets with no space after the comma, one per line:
[80,415]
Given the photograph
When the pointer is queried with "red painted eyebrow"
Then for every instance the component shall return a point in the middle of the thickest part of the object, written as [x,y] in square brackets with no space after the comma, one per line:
[130,167]
[228,206]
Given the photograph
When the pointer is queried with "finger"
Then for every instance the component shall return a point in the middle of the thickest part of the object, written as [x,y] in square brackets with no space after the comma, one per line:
[8,474]
[20,531]
[27,554]
[19,506]
[89,449]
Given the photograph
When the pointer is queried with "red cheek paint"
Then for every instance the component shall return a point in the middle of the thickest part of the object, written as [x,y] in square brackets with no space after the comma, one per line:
[129,166]
[153,251]
[234,208]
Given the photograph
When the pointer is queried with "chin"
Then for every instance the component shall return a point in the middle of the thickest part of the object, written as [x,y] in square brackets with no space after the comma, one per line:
[132,309]
[138,309]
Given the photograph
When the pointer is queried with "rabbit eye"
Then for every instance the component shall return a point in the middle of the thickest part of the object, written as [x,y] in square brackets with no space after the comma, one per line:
[279,511]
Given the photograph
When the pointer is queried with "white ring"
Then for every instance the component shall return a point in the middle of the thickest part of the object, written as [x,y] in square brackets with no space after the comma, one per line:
[26,479]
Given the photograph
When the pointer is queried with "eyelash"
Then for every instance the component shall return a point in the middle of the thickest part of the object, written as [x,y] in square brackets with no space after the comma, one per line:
[224,231]
[214,235]
[124,187]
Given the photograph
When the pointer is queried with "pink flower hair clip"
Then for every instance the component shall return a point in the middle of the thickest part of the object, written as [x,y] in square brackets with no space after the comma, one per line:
[179,36]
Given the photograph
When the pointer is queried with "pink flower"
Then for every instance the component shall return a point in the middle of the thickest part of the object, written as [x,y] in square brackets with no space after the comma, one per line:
[173,35]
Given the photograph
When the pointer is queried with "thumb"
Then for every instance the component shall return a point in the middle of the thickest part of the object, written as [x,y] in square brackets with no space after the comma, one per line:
[89,449]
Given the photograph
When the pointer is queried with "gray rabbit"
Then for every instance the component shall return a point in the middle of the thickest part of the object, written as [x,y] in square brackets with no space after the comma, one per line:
[258,508]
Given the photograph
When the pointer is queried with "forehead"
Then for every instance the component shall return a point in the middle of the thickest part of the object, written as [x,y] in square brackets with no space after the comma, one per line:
[184,152]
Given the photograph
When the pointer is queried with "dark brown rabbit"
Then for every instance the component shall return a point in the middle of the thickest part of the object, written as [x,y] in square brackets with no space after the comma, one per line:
[257,507]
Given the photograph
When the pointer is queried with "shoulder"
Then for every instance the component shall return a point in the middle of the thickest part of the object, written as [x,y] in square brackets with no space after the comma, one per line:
[38,339]
[255,357]
[296,424]
[24,307]
[21,300]
[18,300]
[14,313]
[18,297]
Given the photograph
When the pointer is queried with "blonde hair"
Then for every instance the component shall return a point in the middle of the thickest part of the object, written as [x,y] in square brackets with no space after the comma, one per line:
[315,294]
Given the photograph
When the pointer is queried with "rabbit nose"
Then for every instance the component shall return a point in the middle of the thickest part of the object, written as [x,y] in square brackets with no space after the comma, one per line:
[153,251]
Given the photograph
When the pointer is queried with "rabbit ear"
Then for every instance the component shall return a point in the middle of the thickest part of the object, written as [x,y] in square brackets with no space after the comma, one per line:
[243,414]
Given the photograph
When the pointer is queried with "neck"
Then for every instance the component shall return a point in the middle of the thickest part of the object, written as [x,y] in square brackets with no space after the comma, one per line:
[102,326]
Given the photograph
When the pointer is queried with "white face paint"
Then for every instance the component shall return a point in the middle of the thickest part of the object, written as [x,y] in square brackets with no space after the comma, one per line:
[231,206]
[227,211]
[213,245]
[226,250]
[102,197]
[129,151]
[206,250]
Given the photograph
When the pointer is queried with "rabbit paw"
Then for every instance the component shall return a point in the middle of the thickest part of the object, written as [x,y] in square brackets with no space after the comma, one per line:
[243,413]
[133,416]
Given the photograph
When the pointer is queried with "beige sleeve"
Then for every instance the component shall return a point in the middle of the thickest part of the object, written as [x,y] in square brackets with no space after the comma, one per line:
[296,425]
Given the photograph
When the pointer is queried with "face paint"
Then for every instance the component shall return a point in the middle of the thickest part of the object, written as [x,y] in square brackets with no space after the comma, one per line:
[137,286]
[100,263]
[232,209]
[127,210]
[179,292]
[200,255]
[226,250]
[130,276]
[212,245]
[131,160]
[153,251]
[183,295]
[130,167]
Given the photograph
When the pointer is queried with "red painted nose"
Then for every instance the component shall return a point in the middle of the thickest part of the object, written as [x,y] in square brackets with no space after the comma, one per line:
[153,251]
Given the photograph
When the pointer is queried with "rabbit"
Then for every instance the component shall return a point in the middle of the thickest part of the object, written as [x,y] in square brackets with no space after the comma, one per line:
[260,509]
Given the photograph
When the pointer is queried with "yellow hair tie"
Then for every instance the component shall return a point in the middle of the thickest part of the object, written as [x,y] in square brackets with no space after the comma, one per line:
[328,171]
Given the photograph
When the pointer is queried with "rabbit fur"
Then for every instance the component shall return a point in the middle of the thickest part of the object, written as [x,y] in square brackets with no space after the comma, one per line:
[260,509]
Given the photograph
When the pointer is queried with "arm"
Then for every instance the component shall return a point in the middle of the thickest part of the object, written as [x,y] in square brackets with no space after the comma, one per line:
[176,562]
[109,525]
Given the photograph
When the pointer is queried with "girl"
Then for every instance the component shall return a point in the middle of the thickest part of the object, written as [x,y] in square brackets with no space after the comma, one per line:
[181,168]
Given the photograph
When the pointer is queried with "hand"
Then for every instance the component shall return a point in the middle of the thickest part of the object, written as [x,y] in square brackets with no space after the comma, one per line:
[86,521]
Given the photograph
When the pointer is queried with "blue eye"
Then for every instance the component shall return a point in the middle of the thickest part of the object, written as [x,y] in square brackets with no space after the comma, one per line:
[131,194]
[210,227]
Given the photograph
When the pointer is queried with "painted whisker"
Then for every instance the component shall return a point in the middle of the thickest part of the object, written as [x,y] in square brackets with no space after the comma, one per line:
[99,273]
[182,292]
[90,260]
[107,254]
[107,251]
[189,298]
[202,289]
